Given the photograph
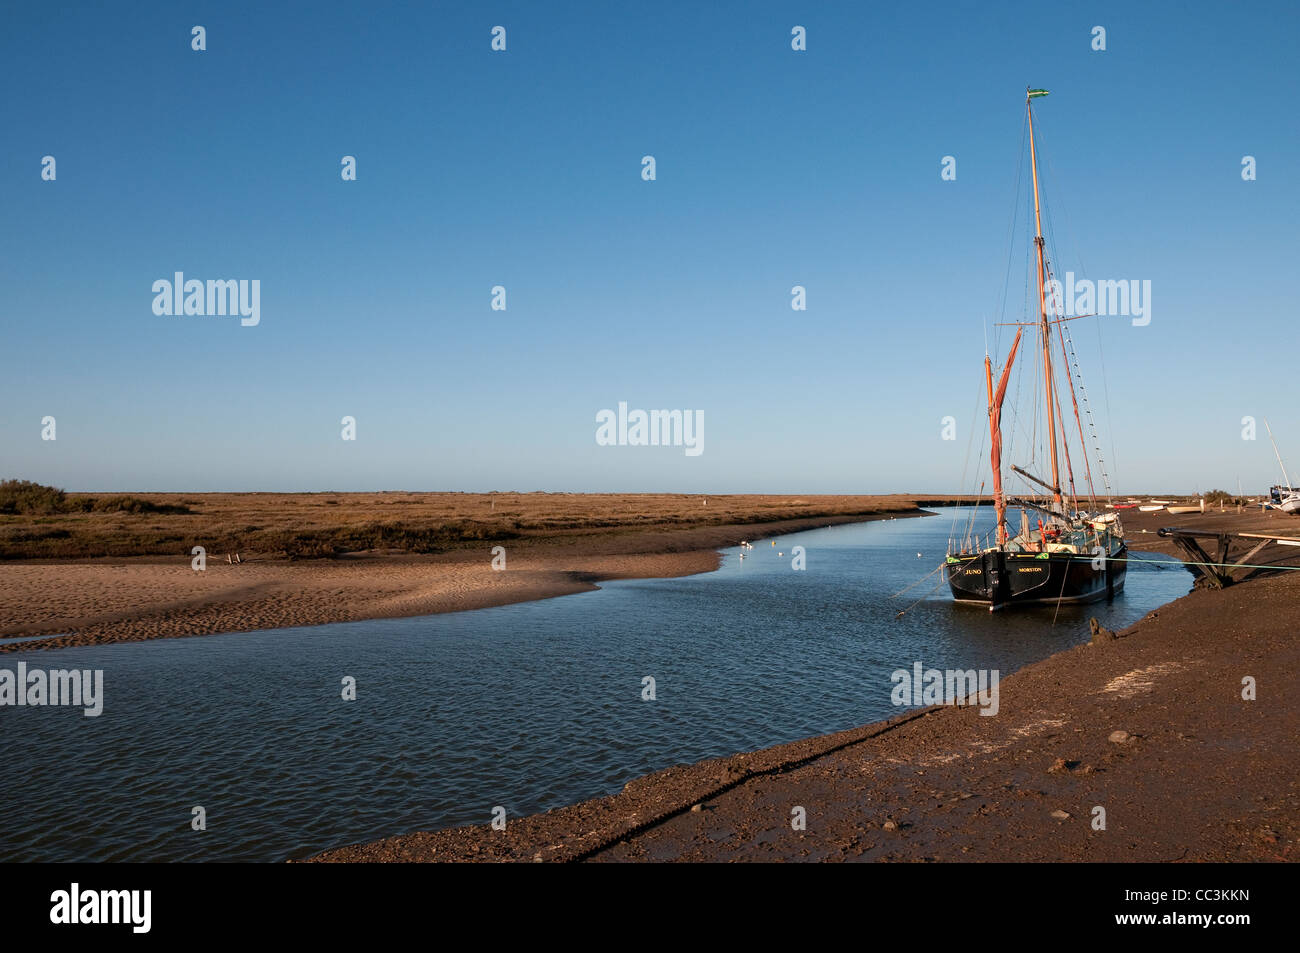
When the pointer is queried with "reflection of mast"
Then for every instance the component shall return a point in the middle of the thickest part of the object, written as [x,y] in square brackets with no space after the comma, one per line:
[1044,333]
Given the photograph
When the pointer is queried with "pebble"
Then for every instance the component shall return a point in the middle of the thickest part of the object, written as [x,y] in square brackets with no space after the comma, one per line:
[1119,737]
[1061,815]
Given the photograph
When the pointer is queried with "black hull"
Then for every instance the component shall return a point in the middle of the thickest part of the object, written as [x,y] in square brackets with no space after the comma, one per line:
[999,579]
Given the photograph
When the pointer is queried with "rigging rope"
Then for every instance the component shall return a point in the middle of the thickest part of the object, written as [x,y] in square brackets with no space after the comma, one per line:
[1105,382]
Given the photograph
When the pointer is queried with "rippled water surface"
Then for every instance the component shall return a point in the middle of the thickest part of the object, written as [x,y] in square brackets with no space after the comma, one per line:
[530,706]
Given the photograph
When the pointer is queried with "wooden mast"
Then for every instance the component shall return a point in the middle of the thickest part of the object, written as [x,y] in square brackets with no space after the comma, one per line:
[1044,332]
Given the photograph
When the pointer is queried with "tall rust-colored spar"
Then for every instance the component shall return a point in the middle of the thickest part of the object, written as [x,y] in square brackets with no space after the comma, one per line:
[1044,333]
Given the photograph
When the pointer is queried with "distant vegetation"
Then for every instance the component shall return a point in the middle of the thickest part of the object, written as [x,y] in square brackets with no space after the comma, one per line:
[378,536]
[1220,496]
[44,522]
[24,496]
[37,499]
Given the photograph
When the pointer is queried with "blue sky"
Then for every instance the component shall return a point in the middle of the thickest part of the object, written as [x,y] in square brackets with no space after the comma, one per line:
[522,169]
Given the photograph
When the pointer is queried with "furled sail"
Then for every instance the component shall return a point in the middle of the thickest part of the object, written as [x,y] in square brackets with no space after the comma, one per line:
[995,430]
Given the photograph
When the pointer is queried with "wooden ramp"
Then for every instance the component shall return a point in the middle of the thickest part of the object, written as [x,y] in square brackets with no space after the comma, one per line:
[1236,557]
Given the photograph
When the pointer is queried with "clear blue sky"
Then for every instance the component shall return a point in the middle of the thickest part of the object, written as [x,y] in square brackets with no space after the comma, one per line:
[522,168]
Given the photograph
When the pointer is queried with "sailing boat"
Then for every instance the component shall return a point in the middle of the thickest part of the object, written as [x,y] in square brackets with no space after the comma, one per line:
[1283,496]
[1072,555]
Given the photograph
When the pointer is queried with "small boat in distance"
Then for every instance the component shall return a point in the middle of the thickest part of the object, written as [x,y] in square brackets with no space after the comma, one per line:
[1072,555]
[1281,497]
[1284,497]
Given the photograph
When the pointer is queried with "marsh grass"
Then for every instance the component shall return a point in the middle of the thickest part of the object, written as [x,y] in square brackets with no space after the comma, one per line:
[39,522]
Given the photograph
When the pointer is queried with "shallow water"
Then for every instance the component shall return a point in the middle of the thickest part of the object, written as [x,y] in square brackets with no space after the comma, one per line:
[529,706]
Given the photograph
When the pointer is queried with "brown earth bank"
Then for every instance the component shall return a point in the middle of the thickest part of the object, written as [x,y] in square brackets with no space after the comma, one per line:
[1142,529]
[1148,724]
[436,555]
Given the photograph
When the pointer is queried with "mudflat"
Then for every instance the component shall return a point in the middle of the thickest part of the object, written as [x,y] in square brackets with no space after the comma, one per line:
[1181,729]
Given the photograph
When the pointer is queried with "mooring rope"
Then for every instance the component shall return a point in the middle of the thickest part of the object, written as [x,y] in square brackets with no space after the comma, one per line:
[928,594]
[919,581]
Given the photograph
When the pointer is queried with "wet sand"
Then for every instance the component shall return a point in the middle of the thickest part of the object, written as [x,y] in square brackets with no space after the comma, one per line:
[90,602]
[1150,726]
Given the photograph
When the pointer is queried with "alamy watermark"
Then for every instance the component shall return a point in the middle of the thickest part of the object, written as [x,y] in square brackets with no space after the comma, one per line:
[78,905]
[1107,298]
[213,297]
[652,428]
[922,686]
[83,688]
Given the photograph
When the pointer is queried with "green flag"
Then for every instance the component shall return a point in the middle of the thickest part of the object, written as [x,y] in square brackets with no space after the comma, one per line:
[1037,92]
